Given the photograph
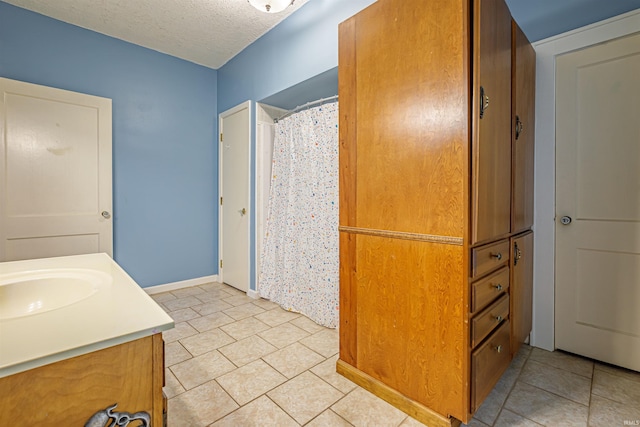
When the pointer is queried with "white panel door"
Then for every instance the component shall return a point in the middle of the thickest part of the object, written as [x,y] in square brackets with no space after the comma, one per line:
[235,139]
[55,167]
[598,194]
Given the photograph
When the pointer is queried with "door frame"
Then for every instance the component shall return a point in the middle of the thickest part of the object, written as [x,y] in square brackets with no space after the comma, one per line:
[245,105]
[543,334]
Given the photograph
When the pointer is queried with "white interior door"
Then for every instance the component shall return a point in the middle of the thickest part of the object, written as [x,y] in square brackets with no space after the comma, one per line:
[598,195]
[55,167]
[235,139]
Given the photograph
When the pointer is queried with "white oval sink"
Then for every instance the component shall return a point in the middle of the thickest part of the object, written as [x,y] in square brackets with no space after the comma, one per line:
[39,291]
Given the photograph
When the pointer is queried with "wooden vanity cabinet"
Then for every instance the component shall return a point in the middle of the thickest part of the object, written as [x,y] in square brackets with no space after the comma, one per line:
[428,193]
[71,391]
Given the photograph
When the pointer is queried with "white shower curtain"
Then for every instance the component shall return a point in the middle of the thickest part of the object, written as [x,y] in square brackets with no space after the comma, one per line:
[299,265]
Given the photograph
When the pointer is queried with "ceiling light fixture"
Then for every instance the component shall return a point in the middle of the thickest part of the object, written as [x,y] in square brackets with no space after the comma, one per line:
[271,6]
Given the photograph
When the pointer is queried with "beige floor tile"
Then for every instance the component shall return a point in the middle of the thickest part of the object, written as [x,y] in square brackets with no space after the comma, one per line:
[411,422]
[545,408]
[522,356]
[233,291]
[265,304]
[620,372]
[604,412]
[325,342]
[293,360]
[250,381]
[213,286]
[210,321]
[183,315]
[242,311]
[213,296]
[200,406]
[558,381]
[202,369]
[568,362]
[277,317]
[328,419]
[475,423]
[179,303]
[283,335]
[167,296]
[181,330]
[236,300]
[305,396]
[327,371]
[186,292]
[307,324]
[244,328]
[247,350]
[175,353]
[362,408]
[616,388]
[172,386]
[490,408]
[205,342]
[259,413]
[211,307]
[509,419]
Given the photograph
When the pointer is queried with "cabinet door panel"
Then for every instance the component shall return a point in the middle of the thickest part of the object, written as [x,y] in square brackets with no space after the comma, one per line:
[407,146]
[523,108]
[521,289]
[491,152]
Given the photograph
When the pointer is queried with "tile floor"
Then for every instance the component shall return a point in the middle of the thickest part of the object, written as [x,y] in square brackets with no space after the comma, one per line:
[235,361]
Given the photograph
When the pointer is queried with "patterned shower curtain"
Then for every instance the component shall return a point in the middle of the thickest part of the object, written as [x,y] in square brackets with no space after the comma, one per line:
[300,259]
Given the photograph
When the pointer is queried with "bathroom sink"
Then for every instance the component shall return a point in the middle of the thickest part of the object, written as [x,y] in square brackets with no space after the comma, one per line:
[33,292]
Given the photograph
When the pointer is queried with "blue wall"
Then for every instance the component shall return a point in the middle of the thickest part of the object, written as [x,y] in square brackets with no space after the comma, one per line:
[545,18]
[164,133]
[299,48]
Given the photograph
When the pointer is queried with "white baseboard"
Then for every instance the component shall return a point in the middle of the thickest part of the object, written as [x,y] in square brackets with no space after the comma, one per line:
[151,290]
[253,294]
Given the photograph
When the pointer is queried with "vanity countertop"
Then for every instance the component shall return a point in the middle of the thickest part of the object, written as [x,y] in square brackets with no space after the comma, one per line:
[118,312]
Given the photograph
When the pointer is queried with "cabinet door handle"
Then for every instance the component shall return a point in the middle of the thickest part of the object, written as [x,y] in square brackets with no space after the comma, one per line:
[519,127]
[517,254]
[484,101]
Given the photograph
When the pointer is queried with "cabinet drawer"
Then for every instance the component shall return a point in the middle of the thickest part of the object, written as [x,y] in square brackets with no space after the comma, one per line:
[488,363]
[486,290]
[489,257]
[485,322]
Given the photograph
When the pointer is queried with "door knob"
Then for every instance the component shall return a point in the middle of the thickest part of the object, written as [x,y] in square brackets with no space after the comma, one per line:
[243,212]
[106,215]
[565,220]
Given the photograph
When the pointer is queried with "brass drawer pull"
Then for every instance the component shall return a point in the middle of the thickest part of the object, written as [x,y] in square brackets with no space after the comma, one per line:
[497,256]
[498,287]
[499,348]
[498,318]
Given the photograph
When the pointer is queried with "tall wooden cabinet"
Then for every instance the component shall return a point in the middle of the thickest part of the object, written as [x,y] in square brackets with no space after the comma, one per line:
[432,299]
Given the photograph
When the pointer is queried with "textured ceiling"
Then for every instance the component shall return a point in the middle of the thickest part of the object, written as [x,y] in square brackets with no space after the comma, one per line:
[207,32]
[211,32]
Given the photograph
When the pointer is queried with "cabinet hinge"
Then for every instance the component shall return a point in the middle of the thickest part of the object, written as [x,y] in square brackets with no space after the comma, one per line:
[220,201]
[221,137]
[220,263]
